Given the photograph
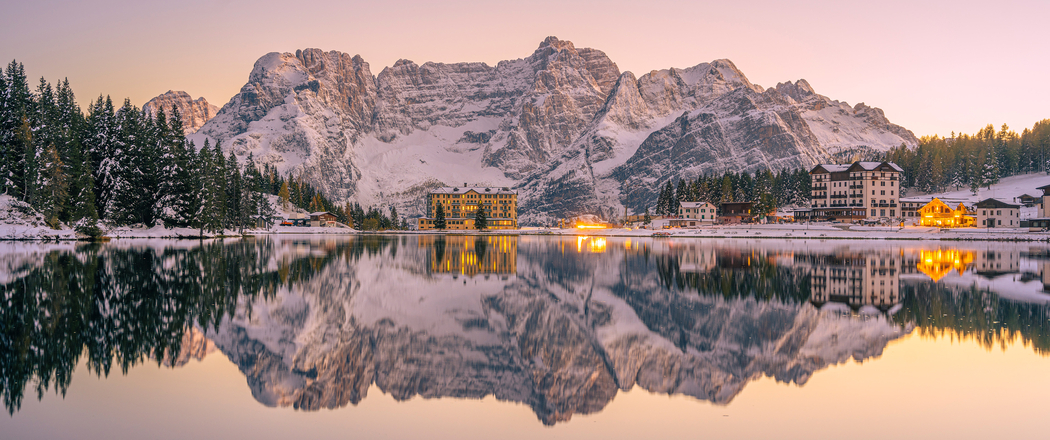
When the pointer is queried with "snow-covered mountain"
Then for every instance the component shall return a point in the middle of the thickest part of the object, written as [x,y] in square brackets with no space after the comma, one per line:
[194,113]
[564,126]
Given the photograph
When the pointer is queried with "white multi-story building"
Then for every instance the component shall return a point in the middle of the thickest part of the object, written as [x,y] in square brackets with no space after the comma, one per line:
[995,213]
[861,191]
[698,213]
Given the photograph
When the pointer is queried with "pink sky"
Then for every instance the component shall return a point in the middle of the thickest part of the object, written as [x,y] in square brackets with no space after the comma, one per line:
[933,66]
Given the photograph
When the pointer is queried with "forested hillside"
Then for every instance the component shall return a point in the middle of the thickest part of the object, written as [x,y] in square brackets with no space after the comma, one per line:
[120,166]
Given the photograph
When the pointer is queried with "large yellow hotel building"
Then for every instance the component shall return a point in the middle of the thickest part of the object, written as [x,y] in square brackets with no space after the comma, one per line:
[461,205]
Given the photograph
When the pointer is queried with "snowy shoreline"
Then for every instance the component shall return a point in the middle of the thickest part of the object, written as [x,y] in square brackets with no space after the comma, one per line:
[771,232]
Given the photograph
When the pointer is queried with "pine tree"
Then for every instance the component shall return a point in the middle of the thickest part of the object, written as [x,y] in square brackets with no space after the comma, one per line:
[661,201]
[210,192]
[646,218]
[285,195]
[681,195]
[238,199]
[83,215]
[316,205]
[51,186]
[395,224]
[439,217]
[16,103]
[481,219]
[727,189]
[990,171]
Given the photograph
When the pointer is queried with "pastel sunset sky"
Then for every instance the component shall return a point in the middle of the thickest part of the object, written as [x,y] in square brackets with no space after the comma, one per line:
[932,66]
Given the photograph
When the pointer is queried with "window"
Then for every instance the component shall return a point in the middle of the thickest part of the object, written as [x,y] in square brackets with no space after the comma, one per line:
[882,193]
[872,212]
[999,212]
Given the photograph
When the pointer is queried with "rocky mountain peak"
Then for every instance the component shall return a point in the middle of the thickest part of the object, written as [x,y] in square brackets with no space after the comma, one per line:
[556,44]
[562,125]
[194,113]
[799,90]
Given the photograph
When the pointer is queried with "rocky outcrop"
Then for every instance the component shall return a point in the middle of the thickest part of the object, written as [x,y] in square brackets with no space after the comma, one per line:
[564,126]
[193,113]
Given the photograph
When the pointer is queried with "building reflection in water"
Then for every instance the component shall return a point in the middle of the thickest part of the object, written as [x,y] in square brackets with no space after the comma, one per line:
[938,263]
[470,255]
[854,279]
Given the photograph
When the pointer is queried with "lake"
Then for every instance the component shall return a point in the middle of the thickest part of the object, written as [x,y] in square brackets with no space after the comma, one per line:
[428,336]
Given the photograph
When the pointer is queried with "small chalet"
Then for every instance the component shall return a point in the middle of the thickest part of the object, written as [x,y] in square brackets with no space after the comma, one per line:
[995,213]
[1029,200]
[940,215]
[321,218]
[736,212]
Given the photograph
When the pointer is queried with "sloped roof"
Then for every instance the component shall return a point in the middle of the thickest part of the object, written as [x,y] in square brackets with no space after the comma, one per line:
[872,166]
[694,204]
[829,168]
[477,189]
[996,203]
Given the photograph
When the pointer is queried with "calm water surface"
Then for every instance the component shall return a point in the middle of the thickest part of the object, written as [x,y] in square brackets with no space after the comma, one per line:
[505,337]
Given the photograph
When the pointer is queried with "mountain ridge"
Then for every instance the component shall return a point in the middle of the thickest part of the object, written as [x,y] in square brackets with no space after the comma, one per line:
[564,126]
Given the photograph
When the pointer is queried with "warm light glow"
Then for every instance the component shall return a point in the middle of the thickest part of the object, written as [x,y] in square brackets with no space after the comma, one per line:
[590,226]
[937,264]
[598,245]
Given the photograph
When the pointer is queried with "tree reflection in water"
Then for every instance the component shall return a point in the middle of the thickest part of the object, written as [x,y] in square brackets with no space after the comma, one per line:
[544,321]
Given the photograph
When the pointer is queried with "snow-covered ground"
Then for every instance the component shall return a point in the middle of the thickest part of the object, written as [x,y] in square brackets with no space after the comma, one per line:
[19,221]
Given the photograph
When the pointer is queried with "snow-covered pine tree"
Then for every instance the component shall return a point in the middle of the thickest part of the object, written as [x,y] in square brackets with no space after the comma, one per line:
[51,186]
[210,203]
[238,198]
[146,165]
[990,171]
[682,194]
[664,203]
[118,168]
[82,216]
[16,102]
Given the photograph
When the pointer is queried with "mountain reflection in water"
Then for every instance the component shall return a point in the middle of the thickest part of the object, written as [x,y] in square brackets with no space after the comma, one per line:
[561,324]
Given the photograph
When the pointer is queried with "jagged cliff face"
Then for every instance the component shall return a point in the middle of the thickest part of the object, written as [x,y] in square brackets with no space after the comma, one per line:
[562,335]
[194,113]
[563,125]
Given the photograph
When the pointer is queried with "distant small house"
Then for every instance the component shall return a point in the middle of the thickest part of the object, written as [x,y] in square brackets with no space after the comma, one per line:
[296,219]
[1029,200]
[736,212]
[322,218]
[995,213]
